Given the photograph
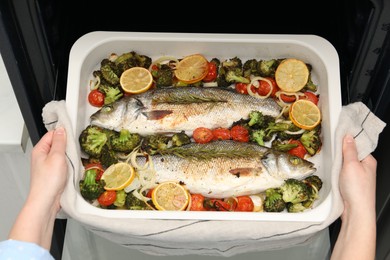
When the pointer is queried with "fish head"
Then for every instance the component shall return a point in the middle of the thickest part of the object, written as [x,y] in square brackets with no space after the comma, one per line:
[113,115]
[284,165]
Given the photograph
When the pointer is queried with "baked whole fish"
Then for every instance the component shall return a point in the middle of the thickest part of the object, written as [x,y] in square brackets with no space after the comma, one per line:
[222,169]
[171,110]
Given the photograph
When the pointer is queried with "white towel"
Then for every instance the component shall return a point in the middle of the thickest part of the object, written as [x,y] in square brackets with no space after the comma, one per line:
[213,237]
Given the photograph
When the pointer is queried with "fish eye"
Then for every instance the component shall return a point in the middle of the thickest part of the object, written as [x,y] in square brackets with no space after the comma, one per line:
[107,109]
[295,160]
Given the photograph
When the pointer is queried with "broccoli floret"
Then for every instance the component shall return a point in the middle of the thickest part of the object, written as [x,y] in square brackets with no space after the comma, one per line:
[164,76]
[143,60]
[282,146]
[311,140]
[260,121]
[295,207]
[250,68]
[108,156]
[180,139]
[92,139]
[232,63]
[295,191]
[293,133]
[134,203]
[221,81]
[120,198]
[111,93]
[216,61]
[132,59]
[107,69]
[235,76]
[279,129]
[274,200]
[91,189]
[313,181]
[124,141]
[258,136]
[152,144]
[267,68]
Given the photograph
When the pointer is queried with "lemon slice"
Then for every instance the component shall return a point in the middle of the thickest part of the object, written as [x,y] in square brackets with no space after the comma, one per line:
[305,114]
[170,195]
[291,75]
[118,176]
[192,68]
[136,80]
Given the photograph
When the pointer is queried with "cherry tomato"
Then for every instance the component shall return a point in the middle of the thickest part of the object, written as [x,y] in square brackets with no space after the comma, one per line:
[96,166]
[241,88]
[202,135]
[299,151]
[96,98]
[219,204]
[149,193]
[197,202]
[239,133]
[264,87]
[107,198]
[287,98]
[212,74]
[311,97]
[154,70]
[221,134]
[244,203]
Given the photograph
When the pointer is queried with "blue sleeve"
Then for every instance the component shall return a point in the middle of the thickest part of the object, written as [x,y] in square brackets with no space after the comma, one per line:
[14,249]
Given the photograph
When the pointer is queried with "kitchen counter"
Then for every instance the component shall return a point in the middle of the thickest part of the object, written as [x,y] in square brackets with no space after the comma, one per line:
[13,133]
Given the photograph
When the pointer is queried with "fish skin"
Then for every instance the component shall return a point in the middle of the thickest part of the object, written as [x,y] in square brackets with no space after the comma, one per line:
[222,176]
[172,110]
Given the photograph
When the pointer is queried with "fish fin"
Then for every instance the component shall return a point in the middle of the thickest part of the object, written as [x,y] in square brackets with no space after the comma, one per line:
[156,114]
[243,172]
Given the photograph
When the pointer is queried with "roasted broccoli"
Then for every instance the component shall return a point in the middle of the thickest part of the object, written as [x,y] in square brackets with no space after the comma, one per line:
[112,93]
[91,189]
[108,156]
[152,144]
[120,198]
[258,136]
[267,68]
[250,68]
[295,191]
[132,59]
[109,72]
[180,139]
[124,141]
[311,140]
[313,181]
[259,121]
[274,200]
[282,146]
[164,76]
[295,207]
[92,139]
[134,203]
[235,76]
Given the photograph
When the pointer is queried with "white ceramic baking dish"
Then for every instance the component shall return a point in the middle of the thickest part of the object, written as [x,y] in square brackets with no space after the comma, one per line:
[90,49]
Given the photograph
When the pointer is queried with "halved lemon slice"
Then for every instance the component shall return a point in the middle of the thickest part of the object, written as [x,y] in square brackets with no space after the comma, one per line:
[136,80]
[170,195]
[291,75]
[192,68]
[118,176]
[305,114]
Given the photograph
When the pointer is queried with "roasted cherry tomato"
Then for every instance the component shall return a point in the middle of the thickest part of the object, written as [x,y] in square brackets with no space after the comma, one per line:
[96,98]
[96,166]
[311,97]
[264,87]
[239,133]
[212,74]
[244,203]
[219,204]
[287,98]
[107,198]
[241,88]
[197,202]
[221,134]
[299,151]
[149,193]
[202,135]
